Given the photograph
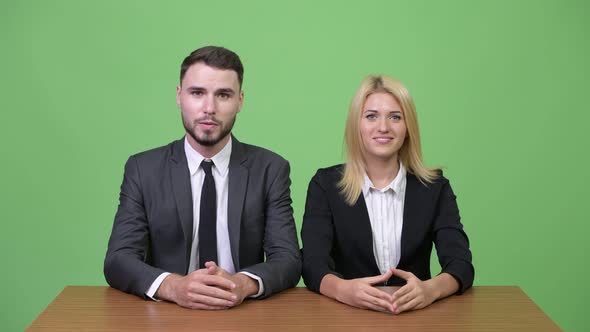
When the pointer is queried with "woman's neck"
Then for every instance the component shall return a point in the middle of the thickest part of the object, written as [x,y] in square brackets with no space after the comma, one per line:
[382,171]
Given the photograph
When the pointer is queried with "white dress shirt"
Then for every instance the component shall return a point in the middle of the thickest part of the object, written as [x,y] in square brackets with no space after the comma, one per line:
[220,172]
[386,212]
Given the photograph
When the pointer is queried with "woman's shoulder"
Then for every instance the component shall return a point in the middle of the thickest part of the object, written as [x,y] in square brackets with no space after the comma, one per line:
[438,181]
[329,174]
[334,169]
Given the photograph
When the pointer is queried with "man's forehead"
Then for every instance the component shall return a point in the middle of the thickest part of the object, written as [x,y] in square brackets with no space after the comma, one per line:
[205,73]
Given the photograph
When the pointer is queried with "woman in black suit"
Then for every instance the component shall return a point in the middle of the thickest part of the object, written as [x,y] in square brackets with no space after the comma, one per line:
[373,220]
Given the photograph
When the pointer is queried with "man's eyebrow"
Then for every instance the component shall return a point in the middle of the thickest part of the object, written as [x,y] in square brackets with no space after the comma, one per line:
[222,90]
[229,91]
[195,88]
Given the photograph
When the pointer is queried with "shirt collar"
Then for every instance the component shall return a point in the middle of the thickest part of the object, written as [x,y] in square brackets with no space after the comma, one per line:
[220,160]
[395,185]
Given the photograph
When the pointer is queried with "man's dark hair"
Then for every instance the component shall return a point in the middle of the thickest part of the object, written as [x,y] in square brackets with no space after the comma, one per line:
[216,57]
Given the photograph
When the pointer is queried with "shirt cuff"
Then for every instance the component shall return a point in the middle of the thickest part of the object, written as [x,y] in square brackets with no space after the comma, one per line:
[260,284]
[155,285]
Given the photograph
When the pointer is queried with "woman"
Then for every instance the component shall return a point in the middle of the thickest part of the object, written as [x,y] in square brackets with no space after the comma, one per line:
[372,221]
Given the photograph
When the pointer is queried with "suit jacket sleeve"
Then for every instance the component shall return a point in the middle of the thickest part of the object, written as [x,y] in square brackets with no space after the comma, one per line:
[282,267]
[452,244]
[317,235]
[128,248]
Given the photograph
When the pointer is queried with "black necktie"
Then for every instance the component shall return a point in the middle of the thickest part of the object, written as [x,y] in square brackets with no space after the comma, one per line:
[208,218]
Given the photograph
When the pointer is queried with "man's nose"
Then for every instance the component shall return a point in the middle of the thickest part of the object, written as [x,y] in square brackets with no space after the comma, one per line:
[209,106]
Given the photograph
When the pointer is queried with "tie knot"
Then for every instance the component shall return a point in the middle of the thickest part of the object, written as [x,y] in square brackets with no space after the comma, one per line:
[206,165]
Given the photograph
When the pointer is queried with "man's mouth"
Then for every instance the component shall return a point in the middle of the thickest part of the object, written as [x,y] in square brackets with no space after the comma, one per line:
[208,123]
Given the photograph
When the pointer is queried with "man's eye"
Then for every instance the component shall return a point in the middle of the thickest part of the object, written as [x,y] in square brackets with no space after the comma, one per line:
[196,93]
[223,95]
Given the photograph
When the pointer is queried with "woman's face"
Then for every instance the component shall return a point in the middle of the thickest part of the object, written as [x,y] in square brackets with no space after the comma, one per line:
[382,126]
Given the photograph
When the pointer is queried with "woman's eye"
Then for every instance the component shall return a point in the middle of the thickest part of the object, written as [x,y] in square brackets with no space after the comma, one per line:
[371,116]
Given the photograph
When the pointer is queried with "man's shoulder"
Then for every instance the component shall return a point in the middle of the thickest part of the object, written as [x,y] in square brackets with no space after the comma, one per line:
[160,153]
[257,154]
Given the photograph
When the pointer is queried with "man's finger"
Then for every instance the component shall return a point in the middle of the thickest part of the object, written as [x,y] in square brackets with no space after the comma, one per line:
[214,292]
[201,306]
[210,301]
[217,281]
[210,264]
[200,271]
[211,268]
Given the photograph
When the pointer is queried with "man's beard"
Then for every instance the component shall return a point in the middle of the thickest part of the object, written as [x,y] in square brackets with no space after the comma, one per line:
[209,139]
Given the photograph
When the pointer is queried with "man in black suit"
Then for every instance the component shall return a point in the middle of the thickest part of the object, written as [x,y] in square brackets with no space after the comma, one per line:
[198,216]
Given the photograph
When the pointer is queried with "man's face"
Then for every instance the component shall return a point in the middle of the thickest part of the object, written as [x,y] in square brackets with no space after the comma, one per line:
[209,99]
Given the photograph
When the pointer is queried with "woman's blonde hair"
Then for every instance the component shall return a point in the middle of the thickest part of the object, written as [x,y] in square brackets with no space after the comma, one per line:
[410,153]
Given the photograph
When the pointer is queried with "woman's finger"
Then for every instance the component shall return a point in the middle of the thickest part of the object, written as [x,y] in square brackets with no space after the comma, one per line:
[407,306]
[402,291]
[375,292]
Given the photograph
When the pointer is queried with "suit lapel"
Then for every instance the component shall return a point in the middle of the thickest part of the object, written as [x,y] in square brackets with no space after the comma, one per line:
[238,181]
[181,186]
[411,213]
[361,225]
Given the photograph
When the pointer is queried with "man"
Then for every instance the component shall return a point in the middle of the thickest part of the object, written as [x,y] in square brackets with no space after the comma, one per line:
[198,210]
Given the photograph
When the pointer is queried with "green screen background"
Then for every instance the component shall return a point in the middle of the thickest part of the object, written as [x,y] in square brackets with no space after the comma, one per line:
[500,88]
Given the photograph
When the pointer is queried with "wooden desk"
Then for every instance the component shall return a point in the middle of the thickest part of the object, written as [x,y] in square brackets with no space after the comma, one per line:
[482,308]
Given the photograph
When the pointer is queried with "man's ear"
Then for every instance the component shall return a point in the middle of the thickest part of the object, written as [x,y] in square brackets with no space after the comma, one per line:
[178,90]
[241,97]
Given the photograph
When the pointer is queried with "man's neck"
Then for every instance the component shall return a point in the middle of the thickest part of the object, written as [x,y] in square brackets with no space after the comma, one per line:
[208,151]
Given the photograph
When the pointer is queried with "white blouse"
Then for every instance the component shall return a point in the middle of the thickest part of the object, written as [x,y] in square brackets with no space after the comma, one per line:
[386,212]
